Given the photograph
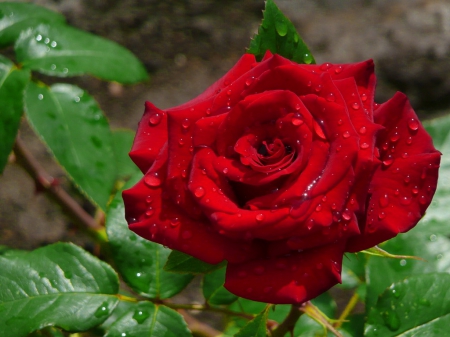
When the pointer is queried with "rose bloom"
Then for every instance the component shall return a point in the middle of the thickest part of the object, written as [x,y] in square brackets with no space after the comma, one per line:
[280,169]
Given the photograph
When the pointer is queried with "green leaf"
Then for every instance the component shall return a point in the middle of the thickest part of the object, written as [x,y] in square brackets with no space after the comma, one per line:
[47,332]
[416,306]
[122,142]
[353,268]
[12,86]
[148,319]
[257,327]
[16,17]
[140,261]
[76,131]
[58,285]
[179,262]
[214,291]
[61,50]
[277,34]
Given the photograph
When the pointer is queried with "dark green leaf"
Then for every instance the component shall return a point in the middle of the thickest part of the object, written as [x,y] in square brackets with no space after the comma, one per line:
[60,285]
[74,128]
[257,327]
[140,261]
[47,332]
[150,320]
[15,17]
[122,141]
[179,262]
[12,86]
[353,270]
[277,34]
[416,306]
[61,50]
[213,289]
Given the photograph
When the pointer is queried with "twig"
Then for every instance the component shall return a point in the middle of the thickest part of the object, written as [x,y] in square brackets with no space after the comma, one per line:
[347,310]
[289,322]
[312,311]
[46,182]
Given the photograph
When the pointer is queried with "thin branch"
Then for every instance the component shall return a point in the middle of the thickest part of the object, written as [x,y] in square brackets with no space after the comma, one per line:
[312,311]
[47,183]
[289,322]
[201,307]
[347,310]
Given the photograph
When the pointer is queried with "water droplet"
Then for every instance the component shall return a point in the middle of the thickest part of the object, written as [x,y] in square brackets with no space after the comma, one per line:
[326,66]
[363,97]
[259,217]
[38,37]
[65,70]
[415,190]
[405,201]
[225,170]
[148,200]
[363,130]
[199,192]
[433,237]
[53,44]
[388,162]
[413,124]
[318,208]
[47,40]
[307,58]
[140,316]
[152,179]
[338,69]
[364,146]
[318,87]
[381,215]
[102,310]
[149,212]
[384,200]
[407,179]
[394,137]
[296,120]
[186,235]
[249,81]
[346,134]
[185,124]
[392,320]
[409,141]
[53,67]
[155,119]
[355,106]
[403,262]
[297,107]
[346,214]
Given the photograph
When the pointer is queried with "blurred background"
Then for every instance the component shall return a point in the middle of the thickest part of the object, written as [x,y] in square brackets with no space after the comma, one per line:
[188,44]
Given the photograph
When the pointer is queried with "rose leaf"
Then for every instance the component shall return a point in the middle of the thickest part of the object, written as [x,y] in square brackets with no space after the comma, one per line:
[61,50]
[148,319]
[256,327]
[58,285]
[12,85]
[214,291]
[16,17]
[74,128]
[122,140]
[179,262]
[417,306]
[140,261]
[277,34]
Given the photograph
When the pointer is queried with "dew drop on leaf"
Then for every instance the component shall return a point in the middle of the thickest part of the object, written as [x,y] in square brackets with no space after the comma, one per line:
[140,316]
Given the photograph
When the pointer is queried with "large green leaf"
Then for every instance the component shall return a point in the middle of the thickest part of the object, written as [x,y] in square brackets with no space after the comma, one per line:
[60,285]
[12,86]
[277,34]
[122,142]
[416,306]
[61,50]
[213,289]
[179,262]
[74,128]
[140,261]
[257,327]
[16,16]
[150,320]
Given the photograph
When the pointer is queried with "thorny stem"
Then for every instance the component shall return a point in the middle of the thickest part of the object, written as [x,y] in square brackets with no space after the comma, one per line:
[347,310]
[289,322]
[312,311]
[47,183]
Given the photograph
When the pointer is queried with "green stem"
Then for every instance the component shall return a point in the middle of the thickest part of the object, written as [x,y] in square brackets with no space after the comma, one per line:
[347,310]
[201,307]
[289,322]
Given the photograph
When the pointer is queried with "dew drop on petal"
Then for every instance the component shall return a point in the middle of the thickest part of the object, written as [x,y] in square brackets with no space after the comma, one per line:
[364,146]
[152,179]
[249,81]
[225,170]
[149,212]
[330,97]
[355,106]
[346,215]
[318,87]
[384,200]
[413,124]
[381,215]
[405,201]
[388,162]
[346,134]
[259,217]
[423,200]
[155,119]
[319,208]
[338,69]
[296,120]
[199,192]
[363,97]
[174,222]
[363,130]
[394,137]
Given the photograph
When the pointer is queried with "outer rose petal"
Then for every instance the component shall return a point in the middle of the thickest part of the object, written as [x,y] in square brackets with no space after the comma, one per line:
[292,279]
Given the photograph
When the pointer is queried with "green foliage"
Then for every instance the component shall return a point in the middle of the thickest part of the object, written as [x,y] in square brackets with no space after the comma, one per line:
[74,128]
[122,140]
[12,85]
[277,34]
[140,261]
[49,285]
[16,17]
[148,319]
[61,50]
[214,291]
[256,327]
[416,306]
[179,262]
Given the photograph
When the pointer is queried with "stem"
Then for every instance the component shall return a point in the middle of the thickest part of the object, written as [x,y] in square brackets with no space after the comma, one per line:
[312,311]
[289,322]
[347,310]
[47,183]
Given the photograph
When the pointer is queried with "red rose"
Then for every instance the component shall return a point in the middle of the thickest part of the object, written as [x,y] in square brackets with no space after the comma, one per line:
[280,168]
